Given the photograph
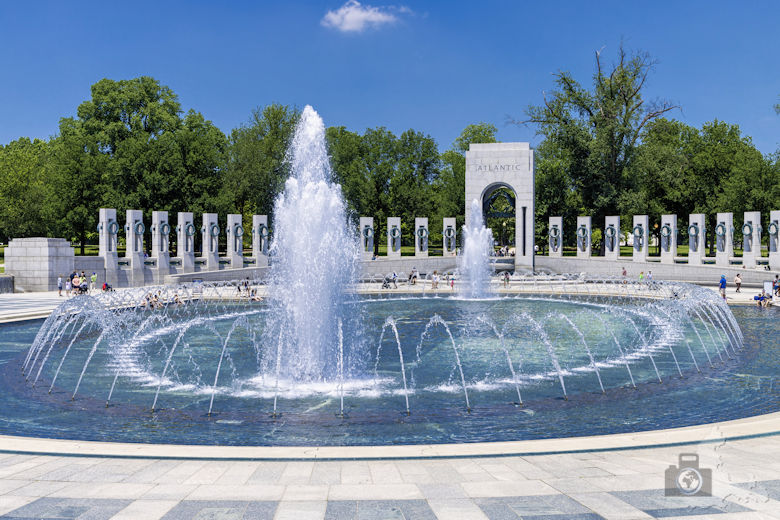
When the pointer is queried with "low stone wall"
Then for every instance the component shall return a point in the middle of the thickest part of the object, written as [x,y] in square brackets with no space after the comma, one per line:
[383,266]
[35,262]
[703,274]
[6,284]
[253,273]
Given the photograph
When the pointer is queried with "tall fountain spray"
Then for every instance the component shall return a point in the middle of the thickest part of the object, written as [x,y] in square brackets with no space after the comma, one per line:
[316,259]
[474,263]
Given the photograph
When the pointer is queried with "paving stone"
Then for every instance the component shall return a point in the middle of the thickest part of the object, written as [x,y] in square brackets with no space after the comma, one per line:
[307,510]
[267,473]
[69,508]
[654,503]
[559,507]
[768,488]
[460,508]
[438,491]
[609,506]
[39,489]
[222,510]
[379,510]
[146,510]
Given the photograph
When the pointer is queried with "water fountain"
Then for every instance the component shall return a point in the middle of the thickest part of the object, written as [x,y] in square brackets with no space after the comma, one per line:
[315,364]
[474,263]
[307,289]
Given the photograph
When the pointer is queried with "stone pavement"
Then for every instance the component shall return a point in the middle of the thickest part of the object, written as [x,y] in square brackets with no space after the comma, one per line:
[24,306]
[625,484]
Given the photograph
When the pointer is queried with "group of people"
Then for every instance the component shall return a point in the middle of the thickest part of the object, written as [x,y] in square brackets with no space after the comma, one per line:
[76,284]
[644,279]
[156,301]
[250,291]
[762,299]
[414,275]
[436,279]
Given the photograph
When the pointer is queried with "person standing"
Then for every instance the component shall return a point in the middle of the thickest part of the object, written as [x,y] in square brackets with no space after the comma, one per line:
[59,285]
[93,282]
[738,281]
[722,286]
[395,280]
[625,273]
[67,288]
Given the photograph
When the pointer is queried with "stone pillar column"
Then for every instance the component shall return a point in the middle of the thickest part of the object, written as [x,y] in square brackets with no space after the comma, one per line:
[774,240]
[260,239]
[367,233]
[751,238]
[161,231]
[583,237]
[421,235]
[185,242]
[235,241]
[641,234]
[449,236]
[697,234]
[394,237]
[612,238]
[134,246]
[668,238]
[108,232]
[555,236]
[724,239]
[210,243]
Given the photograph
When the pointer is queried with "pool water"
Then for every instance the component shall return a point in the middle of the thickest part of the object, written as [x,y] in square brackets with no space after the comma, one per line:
[525,364]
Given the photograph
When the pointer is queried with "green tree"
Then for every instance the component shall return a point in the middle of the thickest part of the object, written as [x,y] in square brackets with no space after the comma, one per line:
[598,129]
[410,193]
[78,181]
[555,191]
[681,170]
[256,169]
[346,152]
[130,147]
[380,154]
[24,189]
[449,187]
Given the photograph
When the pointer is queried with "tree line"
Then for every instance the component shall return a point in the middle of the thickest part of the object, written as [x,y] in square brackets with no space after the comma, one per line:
[608,150]
[604,150]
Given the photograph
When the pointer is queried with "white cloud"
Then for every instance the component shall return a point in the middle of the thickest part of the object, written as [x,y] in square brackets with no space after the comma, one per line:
[355,17]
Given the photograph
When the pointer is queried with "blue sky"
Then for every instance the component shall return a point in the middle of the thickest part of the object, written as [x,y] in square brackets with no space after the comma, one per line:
[432,66]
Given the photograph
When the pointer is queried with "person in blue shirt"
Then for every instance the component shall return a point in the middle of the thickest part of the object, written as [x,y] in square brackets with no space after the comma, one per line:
[723,286]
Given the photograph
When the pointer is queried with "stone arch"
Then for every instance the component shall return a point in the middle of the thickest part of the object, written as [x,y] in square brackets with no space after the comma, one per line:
[492,166]
[490,192]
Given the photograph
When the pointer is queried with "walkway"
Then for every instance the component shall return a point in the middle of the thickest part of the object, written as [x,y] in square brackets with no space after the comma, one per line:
[611,485]
[24,306]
